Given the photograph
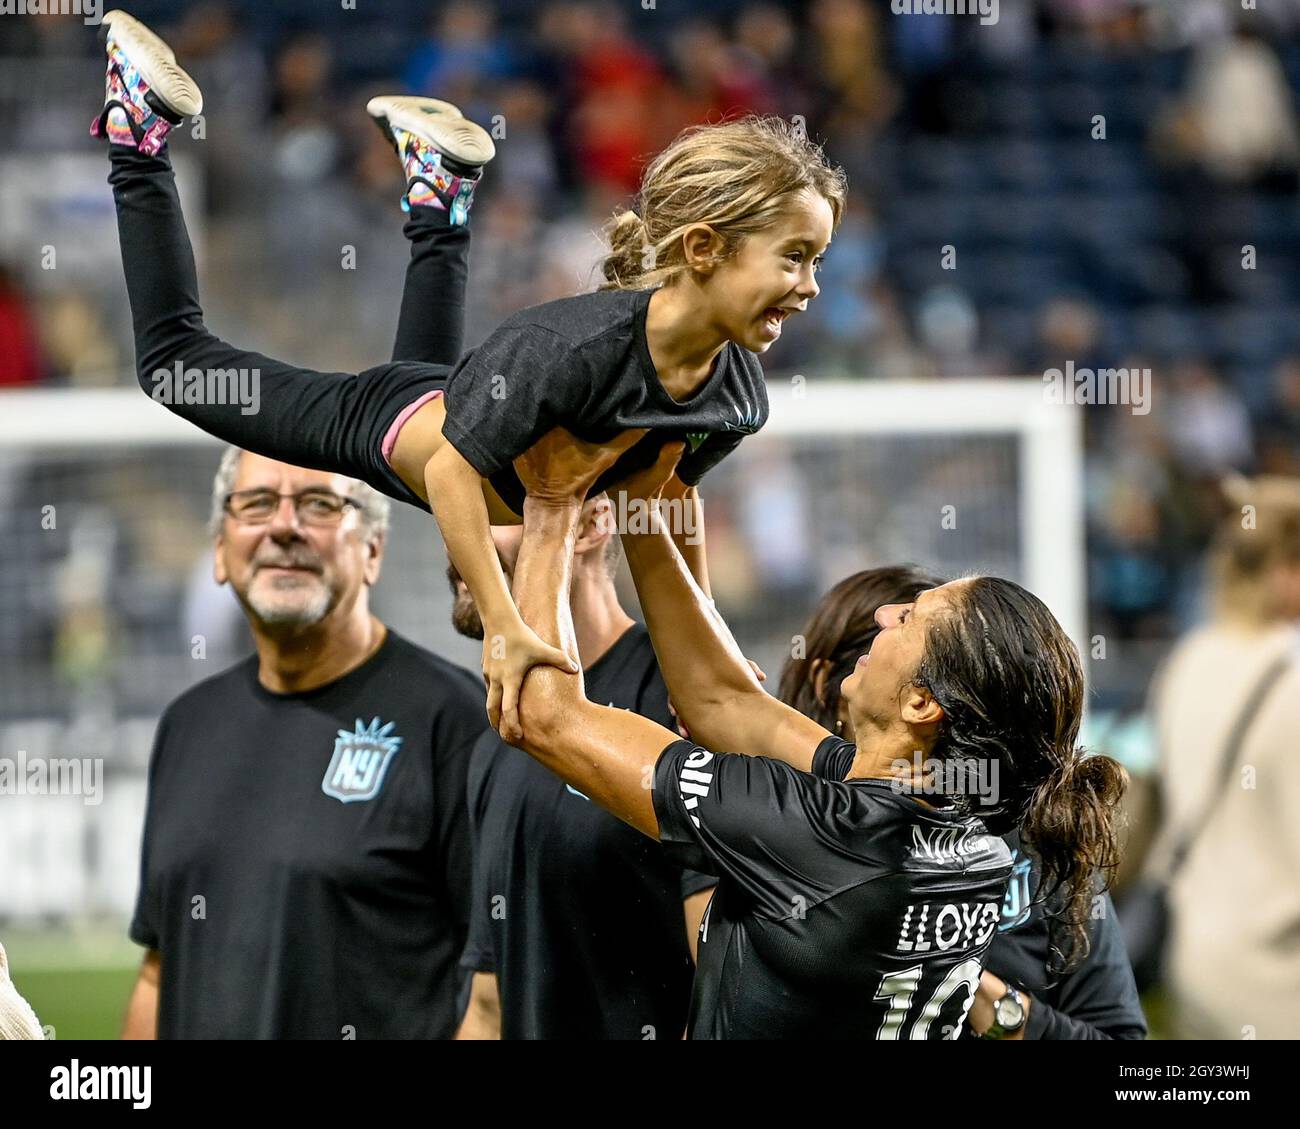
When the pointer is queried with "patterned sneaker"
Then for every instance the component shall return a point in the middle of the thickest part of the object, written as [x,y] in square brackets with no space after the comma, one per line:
[145,92]
[442,150]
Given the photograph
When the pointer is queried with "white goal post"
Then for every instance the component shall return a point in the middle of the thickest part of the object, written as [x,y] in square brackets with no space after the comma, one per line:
[1048,436]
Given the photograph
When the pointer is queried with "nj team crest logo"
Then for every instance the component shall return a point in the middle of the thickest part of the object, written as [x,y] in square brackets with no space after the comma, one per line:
[356,771]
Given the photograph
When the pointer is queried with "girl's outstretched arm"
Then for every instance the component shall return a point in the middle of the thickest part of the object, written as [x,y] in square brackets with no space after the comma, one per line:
[510,648]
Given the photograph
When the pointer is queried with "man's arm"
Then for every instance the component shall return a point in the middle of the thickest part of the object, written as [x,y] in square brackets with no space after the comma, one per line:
[142,1008]
[483,1016]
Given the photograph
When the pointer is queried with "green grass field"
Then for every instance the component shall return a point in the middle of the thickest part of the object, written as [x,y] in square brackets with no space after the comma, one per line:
[77,982]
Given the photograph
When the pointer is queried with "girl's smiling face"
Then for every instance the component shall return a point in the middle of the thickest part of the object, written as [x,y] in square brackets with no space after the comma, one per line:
[772,274]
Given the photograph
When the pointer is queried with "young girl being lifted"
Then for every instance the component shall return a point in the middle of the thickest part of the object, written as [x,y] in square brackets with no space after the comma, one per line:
[731,224]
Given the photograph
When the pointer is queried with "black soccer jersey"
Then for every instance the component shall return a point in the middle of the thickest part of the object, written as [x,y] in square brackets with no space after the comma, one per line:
[583,363]
[843,910]
[306,860]
[579,916]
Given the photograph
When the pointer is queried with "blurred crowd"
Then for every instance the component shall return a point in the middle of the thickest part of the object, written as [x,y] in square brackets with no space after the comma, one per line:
[1116,180]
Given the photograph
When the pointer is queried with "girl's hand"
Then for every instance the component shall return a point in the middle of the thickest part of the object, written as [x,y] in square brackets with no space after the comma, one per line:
[508,656]
[560,467]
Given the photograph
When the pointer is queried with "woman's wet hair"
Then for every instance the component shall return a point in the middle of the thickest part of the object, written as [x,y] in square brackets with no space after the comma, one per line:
[1011,685]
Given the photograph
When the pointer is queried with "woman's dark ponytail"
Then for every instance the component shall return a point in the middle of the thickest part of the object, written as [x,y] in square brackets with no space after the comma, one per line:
[1011,685]
[1070,824]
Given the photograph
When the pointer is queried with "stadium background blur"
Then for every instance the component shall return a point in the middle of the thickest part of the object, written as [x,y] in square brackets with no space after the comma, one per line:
[1126,251]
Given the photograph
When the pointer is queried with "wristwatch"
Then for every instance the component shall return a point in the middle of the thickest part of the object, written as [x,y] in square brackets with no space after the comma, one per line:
[1008,1015]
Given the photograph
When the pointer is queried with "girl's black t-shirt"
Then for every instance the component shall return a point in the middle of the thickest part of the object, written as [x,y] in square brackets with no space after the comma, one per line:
[583,363]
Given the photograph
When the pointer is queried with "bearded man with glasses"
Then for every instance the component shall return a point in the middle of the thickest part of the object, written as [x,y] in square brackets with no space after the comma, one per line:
[306,858]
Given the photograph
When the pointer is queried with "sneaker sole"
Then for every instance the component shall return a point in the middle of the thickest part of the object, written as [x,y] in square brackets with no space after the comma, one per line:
[439,123]
[156,63]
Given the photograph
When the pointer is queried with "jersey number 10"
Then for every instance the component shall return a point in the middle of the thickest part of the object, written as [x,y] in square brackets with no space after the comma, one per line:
[898,988]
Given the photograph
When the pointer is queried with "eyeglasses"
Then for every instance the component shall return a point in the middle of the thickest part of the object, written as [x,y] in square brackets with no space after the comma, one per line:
[313,507]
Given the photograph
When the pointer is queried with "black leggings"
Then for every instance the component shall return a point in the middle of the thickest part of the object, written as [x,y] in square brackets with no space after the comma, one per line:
[330,421]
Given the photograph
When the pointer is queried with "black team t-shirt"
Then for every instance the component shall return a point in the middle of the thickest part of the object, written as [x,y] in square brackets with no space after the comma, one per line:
[579,916]
[583,363]
[306,860]
[844,910]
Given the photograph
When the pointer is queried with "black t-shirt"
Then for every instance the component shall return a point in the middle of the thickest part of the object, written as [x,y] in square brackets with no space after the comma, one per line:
[844,910]
[583,363]
[1098,999]
[306,861]
[579,916]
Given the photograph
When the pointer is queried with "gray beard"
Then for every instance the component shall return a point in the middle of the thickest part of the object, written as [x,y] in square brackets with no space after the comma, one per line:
[278,614]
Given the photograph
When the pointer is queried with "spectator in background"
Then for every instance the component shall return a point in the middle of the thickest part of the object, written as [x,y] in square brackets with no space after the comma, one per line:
[1278,451]
[856,96]
[1206,421]
[620,90]
[20,357]
[1237,120]
[713,78]
[232,71]
[462,56]
[1131,565]
[1234,948]
[767,37]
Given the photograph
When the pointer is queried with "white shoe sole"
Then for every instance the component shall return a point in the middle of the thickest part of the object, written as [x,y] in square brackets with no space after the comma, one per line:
[156,63]
[439,123]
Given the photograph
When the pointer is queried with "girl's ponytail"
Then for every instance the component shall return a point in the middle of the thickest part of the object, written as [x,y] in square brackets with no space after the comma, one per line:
[625,264]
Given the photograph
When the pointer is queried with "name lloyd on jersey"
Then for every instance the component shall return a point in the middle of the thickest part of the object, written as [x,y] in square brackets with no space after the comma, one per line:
[961,924]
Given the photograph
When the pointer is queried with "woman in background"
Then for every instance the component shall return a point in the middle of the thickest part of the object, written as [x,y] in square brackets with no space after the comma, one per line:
[1226,709]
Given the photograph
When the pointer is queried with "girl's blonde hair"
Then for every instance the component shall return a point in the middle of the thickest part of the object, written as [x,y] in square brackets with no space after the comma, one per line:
[737,176]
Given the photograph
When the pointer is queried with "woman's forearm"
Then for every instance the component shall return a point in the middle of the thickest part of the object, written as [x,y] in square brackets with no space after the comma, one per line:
[544,572]
[707,675]
[606,754]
